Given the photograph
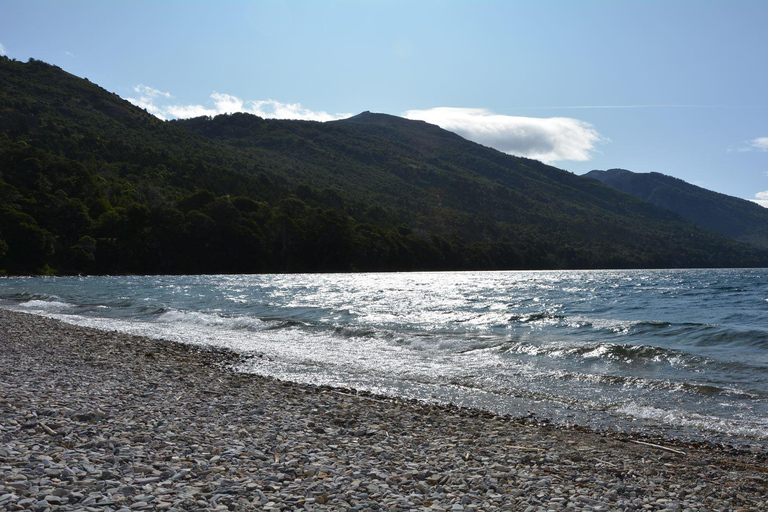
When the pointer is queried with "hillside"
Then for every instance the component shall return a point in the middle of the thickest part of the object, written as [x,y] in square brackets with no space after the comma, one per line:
[90,183]
[730,216]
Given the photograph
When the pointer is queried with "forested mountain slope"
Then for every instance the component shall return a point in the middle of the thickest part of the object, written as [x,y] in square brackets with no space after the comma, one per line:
[730,216]
[90,183]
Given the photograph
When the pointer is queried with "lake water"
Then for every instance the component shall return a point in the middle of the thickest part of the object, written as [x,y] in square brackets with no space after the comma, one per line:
[678,352]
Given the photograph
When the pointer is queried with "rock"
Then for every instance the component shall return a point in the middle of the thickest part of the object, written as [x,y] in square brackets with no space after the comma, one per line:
[53,500]
[433,479]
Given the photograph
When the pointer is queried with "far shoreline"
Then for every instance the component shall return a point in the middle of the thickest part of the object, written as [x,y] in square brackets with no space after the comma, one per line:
[405,271]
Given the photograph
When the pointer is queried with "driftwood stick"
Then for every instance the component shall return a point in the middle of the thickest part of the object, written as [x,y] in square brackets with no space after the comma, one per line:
[659,447]
[48,429]
[756,468]
[525,448]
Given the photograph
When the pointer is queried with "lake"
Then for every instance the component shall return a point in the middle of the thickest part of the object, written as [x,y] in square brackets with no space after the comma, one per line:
[682,353]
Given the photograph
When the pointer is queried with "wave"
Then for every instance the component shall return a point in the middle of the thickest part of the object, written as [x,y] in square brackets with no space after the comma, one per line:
[625,354]
[613,325]
[683,333]
[695,421]
[718,336]
[633,354]
[274,324]
[203,319]
[640,327]
[525,318]
[251,323]
[484,346]
[150,310]
[27,296]
[352,332]
[626,381]
[47,306]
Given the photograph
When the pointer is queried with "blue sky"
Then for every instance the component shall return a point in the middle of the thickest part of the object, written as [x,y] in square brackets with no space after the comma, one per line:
[678,87]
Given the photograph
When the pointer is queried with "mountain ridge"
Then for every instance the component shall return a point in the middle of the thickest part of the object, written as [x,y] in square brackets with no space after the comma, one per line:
[93,184]
[730,216]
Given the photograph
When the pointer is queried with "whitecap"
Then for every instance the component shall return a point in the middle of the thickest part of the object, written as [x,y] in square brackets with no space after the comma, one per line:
[46,306]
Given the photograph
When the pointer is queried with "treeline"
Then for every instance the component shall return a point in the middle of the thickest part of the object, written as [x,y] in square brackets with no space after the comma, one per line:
[56,217]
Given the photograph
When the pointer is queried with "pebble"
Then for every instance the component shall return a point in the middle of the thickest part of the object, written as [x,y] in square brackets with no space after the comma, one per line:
[96,420]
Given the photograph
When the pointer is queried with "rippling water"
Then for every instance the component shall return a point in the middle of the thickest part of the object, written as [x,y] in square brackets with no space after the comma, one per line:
[683,352]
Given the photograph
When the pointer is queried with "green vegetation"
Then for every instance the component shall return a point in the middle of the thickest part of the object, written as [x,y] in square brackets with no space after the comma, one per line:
[730,216]
[92,184]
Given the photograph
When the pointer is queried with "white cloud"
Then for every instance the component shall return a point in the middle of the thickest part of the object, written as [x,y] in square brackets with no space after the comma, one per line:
[547,139]
[757,144]
[226,103]
[2,50]
[147,98]
[276,110]
[156,103]
[148,105]
[761,198]
[186,111]
[151,92]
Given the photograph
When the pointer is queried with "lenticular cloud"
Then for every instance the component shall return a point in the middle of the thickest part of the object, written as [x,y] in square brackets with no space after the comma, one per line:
[546,139]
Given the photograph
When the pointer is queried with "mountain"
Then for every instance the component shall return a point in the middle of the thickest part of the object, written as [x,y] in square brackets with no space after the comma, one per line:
[91,183]
[730,216]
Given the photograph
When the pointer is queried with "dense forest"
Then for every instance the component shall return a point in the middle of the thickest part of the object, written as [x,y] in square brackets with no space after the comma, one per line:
[89,183]
[730,216]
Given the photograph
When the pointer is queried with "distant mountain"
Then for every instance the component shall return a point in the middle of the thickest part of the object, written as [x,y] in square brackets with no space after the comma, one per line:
[90,183]
[730,216]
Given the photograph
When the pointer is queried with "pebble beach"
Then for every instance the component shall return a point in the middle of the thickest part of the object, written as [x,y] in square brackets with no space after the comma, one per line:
[103,421]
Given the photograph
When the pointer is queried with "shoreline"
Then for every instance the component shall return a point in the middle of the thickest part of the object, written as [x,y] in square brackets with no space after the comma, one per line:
[102,420]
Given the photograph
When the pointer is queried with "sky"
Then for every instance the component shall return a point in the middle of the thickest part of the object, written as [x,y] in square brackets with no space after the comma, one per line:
[672,86]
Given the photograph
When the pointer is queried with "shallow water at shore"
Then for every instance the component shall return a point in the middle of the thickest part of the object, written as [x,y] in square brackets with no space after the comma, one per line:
[682,352]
